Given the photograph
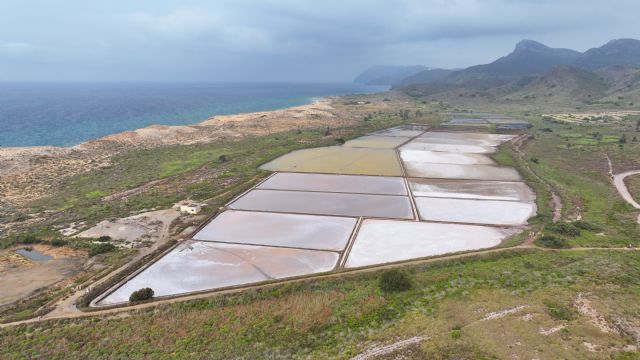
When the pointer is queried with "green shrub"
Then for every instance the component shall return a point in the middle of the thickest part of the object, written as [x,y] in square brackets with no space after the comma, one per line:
[102,248]
[558,311]
[59,242]
[564,228]
[583,225]
[553,242]
[394,280]
[142,294]
[340,141]
[29,239]
[456,333]
[104,238]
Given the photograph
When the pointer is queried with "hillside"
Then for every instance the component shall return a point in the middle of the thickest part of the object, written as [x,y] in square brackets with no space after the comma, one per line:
[426,77]
[528,58]
[563,83]
[607,74]
[615,52]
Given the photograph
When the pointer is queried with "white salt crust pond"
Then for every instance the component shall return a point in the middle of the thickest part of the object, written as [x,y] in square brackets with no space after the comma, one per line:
[510,213]
[463,148]
[442,157]
[197,265]
[472,189]
[455,171]
[300,220]
[383,241]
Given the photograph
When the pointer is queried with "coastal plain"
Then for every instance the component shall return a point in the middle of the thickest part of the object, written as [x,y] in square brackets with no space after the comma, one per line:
[458,304]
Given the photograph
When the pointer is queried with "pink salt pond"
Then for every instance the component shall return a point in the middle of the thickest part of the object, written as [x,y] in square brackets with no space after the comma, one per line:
[198,266]
[323,203]
[288,230]
[471,189]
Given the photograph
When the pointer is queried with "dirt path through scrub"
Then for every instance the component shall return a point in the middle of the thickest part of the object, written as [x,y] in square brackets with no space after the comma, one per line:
[618,182]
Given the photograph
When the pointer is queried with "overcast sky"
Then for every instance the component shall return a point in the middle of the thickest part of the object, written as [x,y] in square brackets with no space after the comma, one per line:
[284,40]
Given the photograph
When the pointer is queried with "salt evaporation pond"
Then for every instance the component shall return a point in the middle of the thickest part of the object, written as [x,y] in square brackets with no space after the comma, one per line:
[319,203]
[336,183]
[258,228]
[441,157]
[377,142]
[339,160]
[418,144]
[454,171]
[196,266]
[508,213]
[404,131]
[469,138]
[472,189]
[384,241]
[297,221]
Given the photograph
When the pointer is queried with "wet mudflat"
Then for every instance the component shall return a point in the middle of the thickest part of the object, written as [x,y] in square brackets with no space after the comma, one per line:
[336,183]
[339,160]
[384,241]
[301,231]
[377,142]
[490,212]
[471,189]
[34,254]
[197,265]
[455,171]
[441,157]
[319,203]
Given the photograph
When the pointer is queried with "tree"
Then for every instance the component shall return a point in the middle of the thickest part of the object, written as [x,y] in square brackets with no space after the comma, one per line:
[623,139]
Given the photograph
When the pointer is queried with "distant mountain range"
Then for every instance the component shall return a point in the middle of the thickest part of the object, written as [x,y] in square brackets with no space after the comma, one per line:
[387,74]
[532,70]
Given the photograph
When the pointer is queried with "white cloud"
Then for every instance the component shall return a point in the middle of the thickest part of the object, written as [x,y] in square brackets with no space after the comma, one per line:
[16,48]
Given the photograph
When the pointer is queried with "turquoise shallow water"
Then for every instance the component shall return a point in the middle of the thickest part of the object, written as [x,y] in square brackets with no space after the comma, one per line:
[65,114]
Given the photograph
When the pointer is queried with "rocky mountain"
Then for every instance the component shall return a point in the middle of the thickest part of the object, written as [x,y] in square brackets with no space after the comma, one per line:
[387,75]
[615,52]
[528,58]
[610,73]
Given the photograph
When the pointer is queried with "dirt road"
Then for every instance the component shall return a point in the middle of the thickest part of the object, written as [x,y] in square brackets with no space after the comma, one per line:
[618,182]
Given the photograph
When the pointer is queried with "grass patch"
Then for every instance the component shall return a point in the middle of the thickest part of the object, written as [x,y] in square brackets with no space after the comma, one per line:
[330,318]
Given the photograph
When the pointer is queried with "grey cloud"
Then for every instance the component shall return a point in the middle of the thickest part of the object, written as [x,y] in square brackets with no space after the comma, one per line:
[245,40]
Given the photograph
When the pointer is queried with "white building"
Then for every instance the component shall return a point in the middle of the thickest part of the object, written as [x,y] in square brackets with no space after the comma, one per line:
[191,208]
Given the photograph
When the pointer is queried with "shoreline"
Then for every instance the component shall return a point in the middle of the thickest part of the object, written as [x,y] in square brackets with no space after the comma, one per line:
[9,151]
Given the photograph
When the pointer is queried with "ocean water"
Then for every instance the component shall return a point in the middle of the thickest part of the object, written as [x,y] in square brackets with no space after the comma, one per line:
[66,114]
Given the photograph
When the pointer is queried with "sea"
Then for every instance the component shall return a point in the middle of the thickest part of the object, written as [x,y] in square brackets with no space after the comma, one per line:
[66,114]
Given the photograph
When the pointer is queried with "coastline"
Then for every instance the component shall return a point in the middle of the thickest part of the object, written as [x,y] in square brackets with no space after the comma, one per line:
[149,131]
[31,173]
